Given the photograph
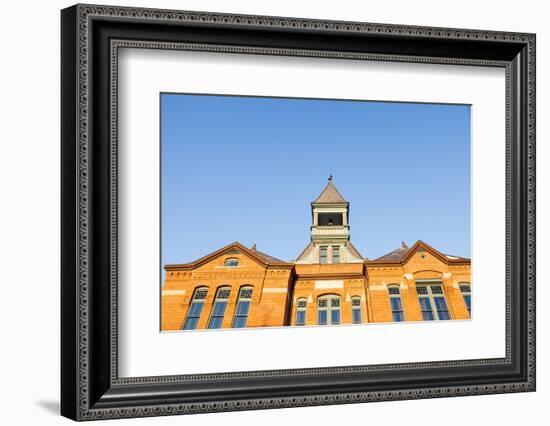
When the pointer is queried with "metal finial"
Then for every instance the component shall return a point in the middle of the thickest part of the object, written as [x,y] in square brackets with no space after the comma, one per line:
[329,178]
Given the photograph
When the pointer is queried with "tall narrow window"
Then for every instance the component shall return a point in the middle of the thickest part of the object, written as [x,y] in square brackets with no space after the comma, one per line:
[395,303]
[243,306]
[335,254]
[328,310]
[356,309]
[218,310]
[195,308]
[323,254]
[301,306]
[466,291]
[432,302]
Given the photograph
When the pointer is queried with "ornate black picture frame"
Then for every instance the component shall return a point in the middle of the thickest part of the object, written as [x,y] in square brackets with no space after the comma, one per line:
[91,37]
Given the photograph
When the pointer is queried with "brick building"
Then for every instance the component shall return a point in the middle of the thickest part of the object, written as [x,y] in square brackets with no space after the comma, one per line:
[329,283]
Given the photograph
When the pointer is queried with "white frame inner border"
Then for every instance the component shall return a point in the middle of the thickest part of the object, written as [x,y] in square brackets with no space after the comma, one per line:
[143,351]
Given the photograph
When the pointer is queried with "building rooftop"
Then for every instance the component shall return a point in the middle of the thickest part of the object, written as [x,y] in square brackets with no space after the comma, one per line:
[267,257]
[396,254]
[401,253]
[330,194]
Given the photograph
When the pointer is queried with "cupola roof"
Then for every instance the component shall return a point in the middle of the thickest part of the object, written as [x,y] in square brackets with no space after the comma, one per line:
[330,194]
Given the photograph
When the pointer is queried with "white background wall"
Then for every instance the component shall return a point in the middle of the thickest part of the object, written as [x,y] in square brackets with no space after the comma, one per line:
[29,225]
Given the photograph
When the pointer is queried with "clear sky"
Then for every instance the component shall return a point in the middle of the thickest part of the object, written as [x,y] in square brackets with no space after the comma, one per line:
[246,169]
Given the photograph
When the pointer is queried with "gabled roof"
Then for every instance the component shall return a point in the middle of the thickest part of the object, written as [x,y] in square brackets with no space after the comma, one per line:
[404,253]
[304,251]
[349,246]
[330,195]
[353,250]
[260,257]
[396,254]
[268,258]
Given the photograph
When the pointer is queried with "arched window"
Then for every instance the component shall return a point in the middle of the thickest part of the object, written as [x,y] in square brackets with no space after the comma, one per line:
[356,309]
[301,306]
[218,310]
[243,306]
[195,308]
[231,261]
[395,303]
[432,301]
[328,309]
[466,291]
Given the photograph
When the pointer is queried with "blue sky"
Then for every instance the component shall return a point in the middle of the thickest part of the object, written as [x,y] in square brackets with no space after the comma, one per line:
[246,169]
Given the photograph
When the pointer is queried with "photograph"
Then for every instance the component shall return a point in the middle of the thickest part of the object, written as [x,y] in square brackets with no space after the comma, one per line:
[343,205]
[281,212]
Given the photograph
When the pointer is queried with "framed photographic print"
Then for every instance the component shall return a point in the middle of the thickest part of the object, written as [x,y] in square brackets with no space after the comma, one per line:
[263,212]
